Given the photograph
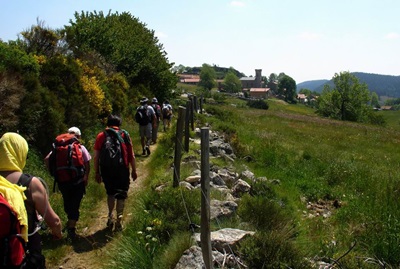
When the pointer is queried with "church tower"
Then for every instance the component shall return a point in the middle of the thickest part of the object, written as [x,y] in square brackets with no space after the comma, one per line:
[258,78]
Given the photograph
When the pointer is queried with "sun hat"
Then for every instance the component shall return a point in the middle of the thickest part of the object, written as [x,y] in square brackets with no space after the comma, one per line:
[155,100]
[74,130]
[144,100]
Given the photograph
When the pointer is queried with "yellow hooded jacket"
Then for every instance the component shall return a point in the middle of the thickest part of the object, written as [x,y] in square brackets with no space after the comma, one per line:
[13,153]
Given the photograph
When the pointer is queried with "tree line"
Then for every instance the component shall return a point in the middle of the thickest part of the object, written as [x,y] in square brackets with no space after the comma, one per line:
[99,64]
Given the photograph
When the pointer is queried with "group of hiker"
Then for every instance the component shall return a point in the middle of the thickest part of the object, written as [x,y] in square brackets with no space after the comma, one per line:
[24,203]
[148,116]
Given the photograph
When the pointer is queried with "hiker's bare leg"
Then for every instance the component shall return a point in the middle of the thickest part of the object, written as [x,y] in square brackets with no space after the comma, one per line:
[120,208]
[71,223]
[111,204]
[143,141]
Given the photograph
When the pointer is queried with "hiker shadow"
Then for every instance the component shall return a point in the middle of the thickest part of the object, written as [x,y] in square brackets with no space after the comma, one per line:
[92,242]
[80,244]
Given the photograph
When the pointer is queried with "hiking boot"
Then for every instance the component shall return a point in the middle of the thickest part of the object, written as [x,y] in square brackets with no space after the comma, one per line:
[110,223]
[144,152]
[148,150]
[118,225]
[71,233]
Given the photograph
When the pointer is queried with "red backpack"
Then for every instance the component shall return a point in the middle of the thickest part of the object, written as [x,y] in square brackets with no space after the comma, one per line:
[12,247]
[66,160]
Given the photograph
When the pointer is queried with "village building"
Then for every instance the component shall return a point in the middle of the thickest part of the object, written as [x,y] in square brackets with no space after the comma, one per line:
[259,93]
[252,82]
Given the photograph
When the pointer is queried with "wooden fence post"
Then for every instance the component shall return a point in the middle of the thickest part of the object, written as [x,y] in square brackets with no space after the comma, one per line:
[196,107]
[205,235]
[178,146]
[187,131]
[192,113]
[201,104]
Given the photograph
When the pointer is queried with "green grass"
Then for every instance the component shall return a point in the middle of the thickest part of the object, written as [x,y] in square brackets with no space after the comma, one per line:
[320,158]
[313,158]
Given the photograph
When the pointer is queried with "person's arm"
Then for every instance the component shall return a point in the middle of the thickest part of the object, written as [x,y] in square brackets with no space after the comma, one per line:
[154,121]
[131,158]
[96,165]
[46,160]
[86,158]
[133,167]
[43,207]
[87,172]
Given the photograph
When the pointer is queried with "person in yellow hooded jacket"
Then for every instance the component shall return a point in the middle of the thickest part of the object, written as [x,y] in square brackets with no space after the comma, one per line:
[13,154]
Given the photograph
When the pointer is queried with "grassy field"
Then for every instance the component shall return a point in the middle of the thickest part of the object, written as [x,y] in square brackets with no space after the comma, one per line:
[322,160]
[349,170]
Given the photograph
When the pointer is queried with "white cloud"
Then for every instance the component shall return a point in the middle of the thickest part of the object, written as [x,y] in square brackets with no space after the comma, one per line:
[237,4]
[309,36]
[392,36]
[160,35]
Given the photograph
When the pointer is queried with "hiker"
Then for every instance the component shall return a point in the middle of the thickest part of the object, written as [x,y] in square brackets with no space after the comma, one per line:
[14,224]
[157,110]
[146,118]
[71,184]
[166,114]
[13,154]
[113,155]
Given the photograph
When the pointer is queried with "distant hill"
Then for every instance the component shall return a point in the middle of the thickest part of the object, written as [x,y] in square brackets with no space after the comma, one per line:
[311,84]
[219,71]
[383,85]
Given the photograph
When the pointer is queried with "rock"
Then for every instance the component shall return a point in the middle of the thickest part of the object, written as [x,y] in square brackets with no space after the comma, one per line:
[241,187]
[222,209]
[226,239]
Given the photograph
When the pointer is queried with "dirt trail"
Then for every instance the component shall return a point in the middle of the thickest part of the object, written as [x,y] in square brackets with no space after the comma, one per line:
[95,240]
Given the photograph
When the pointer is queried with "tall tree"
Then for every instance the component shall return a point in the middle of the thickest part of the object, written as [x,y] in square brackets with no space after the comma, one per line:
[41,40]
[232,83]
[375,100]
[346,100]
[272,77]
[126,43]
[287,87]
[207,77]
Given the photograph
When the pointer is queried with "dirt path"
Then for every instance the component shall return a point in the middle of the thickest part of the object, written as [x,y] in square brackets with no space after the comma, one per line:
[96,240]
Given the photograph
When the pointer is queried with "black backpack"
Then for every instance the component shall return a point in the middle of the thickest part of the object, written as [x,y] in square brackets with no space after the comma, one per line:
[114,149]
[142,116]
[157,110]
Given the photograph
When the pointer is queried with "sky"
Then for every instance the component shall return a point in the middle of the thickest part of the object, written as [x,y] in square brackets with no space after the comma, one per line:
[306,40]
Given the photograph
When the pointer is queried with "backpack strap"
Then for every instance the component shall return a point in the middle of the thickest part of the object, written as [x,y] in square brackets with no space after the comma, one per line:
[25,180]
[126,137]
[116,134]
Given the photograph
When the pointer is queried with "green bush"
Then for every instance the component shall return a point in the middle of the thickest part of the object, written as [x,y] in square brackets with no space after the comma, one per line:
[272,249]
[175,208]
[263,213]
[260,104]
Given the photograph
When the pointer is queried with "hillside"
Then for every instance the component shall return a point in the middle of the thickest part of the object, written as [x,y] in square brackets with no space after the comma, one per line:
[311,84]
[383,85]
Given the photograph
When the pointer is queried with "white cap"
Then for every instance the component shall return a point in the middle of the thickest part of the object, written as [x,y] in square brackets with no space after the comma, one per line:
[74,130]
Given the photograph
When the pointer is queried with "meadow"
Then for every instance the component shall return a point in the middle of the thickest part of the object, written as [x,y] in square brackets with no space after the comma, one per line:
[348,169]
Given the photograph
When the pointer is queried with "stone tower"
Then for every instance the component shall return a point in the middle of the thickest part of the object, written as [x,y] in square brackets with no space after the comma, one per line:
[258,78]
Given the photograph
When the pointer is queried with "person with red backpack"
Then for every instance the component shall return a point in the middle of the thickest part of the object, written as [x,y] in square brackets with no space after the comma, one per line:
[113,159]
[13,154]
[69,163]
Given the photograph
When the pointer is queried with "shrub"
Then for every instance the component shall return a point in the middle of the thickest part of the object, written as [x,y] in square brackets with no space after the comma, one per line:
[262,213]
[260,104]
[271,249]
